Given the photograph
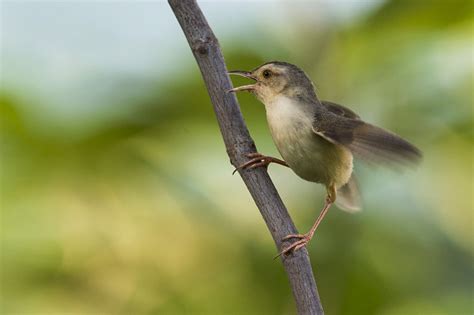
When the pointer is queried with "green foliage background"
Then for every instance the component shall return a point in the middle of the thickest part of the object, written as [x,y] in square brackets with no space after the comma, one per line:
[133,210]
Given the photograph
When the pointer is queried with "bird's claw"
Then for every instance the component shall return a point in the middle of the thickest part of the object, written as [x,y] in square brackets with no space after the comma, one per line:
[257,160]
[290,236]
[303,240]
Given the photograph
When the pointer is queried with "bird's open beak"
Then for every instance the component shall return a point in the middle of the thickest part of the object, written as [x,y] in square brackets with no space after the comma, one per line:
[247,74]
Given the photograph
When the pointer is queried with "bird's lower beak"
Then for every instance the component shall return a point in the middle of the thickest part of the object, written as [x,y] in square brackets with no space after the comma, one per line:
[247,74]
[249,87]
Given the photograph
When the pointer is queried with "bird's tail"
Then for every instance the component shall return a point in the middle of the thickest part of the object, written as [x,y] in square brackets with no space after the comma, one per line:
[348,196]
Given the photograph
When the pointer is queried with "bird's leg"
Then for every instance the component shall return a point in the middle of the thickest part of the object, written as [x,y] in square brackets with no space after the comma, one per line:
[257,159]
[305,238]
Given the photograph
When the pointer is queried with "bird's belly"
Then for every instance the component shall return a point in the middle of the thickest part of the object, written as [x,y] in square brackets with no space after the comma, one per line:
[310,156]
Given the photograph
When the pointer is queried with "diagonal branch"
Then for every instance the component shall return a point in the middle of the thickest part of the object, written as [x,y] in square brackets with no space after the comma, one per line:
[238,142]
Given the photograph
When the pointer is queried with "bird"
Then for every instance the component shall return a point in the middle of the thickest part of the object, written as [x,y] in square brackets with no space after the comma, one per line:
[317,139]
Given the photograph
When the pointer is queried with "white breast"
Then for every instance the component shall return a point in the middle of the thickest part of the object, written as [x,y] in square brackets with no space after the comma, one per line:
[308,155]
[289,124]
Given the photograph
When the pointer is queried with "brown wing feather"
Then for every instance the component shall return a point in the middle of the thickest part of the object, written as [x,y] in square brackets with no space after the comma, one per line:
[365,141]
[339,110]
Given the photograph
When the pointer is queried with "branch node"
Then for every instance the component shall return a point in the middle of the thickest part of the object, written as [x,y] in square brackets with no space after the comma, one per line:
[202,45]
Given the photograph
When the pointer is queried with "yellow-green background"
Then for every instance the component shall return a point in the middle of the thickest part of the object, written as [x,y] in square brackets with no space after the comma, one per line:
[116,191]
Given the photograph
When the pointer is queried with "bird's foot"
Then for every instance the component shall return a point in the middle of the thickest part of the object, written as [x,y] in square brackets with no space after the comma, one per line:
[303,240]
[257,160]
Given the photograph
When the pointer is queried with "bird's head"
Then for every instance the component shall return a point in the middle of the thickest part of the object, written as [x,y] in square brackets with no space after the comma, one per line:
[275,79]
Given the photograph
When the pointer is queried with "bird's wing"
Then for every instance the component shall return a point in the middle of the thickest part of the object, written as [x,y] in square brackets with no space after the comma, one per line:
[364,140]
[339,110]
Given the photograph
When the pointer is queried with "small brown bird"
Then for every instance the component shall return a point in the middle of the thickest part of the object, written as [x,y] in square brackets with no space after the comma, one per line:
[318,139]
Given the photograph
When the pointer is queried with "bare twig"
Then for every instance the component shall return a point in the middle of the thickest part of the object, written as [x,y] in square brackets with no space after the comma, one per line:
[238,142]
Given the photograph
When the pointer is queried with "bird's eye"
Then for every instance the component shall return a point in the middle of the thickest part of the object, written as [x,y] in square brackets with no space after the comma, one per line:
[267,74]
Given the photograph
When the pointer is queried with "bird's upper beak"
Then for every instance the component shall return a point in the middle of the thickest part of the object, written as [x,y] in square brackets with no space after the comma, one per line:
[247,74]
